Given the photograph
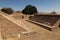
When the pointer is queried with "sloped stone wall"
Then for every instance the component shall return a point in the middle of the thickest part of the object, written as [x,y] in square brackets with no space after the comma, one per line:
[9,28]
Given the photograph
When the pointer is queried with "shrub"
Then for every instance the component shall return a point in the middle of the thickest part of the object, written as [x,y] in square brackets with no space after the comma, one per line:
[7,10]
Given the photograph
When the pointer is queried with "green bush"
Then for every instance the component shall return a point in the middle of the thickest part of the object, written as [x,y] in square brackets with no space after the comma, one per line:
[7,10]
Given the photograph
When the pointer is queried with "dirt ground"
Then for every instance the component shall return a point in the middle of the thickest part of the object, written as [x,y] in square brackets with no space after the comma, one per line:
[42,33]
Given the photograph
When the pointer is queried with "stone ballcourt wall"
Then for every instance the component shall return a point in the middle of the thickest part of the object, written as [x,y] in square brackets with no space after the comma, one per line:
[11,31]
[9,28]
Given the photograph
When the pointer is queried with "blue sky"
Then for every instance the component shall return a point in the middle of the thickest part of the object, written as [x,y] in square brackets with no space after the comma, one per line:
[42,5]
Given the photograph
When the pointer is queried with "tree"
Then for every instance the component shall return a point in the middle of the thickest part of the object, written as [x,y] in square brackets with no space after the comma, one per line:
[29,9]
[7,10]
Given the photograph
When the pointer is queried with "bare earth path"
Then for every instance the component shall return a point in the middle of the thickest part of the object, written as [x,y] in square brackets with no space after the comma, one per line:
[43,34]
